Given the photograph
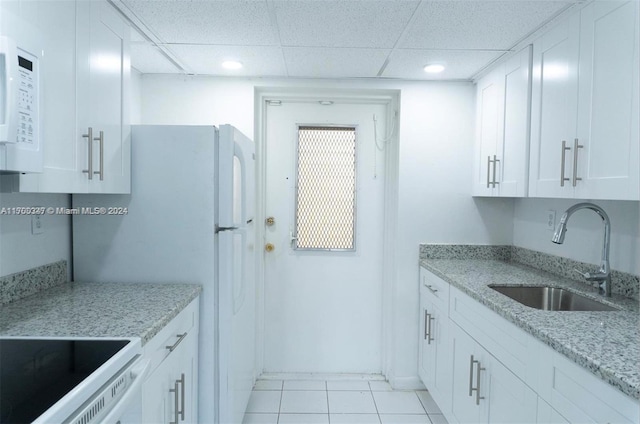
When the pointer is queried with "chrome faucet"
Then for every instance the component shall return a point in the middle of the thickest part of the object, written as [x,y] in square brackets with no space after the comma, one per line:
[603,276]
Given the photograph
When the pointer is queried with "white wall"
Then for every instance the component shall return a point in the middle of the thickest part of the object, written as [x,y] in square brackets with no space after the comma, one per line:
[136,93]
[19,249]
[436,140]
[583,241]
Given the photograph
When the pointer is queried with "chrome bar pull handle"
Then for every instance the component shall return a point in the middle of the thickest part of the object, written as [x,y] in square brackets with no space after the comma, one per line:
[495,160]
[181,381]
[176,413]
[576,146]
[478,370]
[431,338]
[89,137]
[477,388]
[426,325]
[471,362]
[431,289]
[101,140]
[175,345]
[562,162]
[488,169]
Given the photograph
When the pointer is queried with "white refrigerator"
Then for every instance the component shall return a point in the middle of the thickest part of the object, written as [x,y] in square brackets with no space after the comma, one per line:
[190,219]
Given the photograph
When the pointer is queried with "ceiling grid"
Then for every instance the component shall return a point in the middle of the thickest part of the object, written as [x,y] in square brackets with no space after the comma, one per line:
[333,38]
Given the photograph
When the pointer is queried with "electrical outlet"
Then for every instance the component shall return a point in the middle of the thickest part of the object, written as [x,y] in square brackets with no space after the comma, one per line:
[551,220]
[37,225]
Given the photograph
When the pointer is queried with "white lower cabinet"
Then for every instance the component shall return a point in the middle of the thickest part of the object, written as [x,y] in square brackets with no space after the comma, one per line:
[170,391]
[435,359]
[484,390]
[548,415]
[480,368]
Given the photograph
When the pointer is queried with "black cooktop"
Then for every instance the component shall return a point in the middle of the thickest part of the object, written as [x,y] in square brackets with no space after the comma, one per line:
[36,373]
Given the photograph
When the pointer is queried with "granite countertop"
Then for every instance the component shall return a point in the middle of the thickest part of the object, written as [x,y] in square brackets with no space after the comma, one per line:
[605,343]
[97,310]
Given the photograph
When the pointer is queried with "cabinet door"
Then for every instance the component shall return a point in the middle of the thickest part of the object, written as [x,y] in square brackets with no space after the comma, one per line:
[157,404]
[56,23]
[509,399]
[426,365]
[609,162]
[554,100]
[440,348]
[466,408]
[103,75]
[489,125]
[513,148]
[185,371]
[548,415]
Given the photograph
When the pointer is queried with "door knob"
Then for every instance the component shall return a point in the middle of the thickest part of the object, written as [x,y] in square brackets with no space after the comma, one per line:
[269,247]
[270,221]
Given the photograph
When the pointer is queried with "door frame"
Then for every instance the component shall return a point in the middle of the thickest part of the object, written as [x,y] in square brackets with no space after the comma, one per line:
[390,98]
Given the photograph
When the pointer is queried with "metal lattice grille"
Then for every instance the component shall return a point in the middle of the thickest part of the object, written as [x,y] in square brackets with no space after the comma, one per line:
[326,190]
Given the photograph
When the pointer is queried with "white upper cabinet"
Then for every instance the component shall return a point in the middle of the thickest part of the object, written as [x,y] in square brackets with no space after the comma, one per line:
[608,89]
[502,129]
[86,74]
[584,129]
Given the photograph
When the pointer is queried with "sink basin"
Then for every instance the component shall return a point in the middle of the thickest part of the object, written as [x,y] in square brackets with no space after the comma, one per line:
[551,298]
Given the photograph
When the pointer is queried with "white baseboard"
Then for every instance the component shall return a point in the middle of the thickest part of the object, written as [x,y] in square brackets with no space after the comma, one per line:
[406,383]
[320,376]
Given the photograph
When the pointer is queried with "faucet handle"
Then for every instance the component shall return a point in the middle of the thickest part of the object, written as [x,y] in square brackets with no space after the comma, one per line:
[595,276]
[585,275]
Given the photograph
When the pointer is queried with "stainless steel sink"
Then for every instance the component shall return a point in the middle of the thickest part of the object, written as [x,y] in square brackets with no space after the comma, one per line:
[551,298]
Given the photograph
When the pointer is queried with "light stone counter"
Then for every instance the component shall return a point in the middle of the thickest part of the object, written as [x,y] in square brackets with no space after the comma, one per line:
[96,310]
[605,343]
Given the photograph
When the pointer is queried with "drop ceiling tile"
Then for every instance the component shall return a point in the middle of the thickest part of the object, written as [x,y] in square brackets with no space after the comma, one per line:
[207,60]
[483,25]
[409,64]
[148,59]
[350,23]
[232,22]
[321,62]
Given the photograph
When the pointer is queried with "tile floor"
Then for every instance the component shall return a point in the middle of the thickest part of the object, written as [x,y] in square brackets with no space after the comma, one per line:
[338,402]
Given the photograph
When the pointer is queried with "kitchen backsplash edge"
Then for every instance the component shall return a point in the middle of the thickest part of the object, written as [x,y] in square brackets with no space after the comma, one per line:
[25,283]
[623,283]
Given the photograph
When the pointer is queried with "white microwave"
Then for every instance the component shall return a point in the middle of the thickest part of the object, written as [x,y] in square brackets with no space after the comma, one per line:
[20,142]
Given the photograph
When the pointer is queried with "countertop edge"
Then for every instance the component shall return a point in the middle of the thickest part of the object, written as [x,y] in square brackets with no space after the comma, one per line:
[166,319]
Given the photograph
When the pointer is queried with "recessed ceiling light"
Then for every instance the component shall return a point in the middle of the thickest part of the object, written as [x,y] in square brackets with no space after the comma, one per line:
[434,68]
[231,64]
[325,102]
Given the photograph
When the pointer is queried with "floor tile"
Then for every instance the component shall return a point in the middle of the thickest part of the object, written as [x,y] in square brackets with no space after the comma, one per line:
[354,419]
[346,402]
[263,401]
[404,419]
[358,385]
[398,403]
[268,385]
[380,386]
[428,403]
[438,419]
[260,419]
[305,385]
[304,419]
[303,402]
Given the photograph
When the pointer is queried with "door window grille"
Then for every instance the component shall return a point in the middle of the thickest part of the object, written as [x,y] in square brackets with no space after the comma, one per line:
[326,188]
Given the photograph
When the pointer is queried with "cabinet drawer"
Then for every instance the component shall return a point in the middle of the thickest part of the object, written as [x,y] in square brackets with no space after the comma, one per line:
[578,395]
[435,288]
[157,349]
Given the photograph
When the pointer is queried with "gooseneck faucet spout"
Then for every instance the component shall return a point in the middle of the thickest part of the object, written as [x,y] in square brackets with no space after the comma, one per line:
[603,276]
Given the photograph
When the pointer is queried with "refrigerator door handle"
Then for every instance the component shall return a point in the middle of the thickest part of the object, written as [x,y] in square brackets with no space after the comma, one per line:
[219,229]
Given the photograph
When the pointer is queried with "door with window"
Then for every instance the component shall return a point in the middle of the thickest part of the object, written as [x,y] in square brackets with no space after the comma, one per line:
[324,188]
